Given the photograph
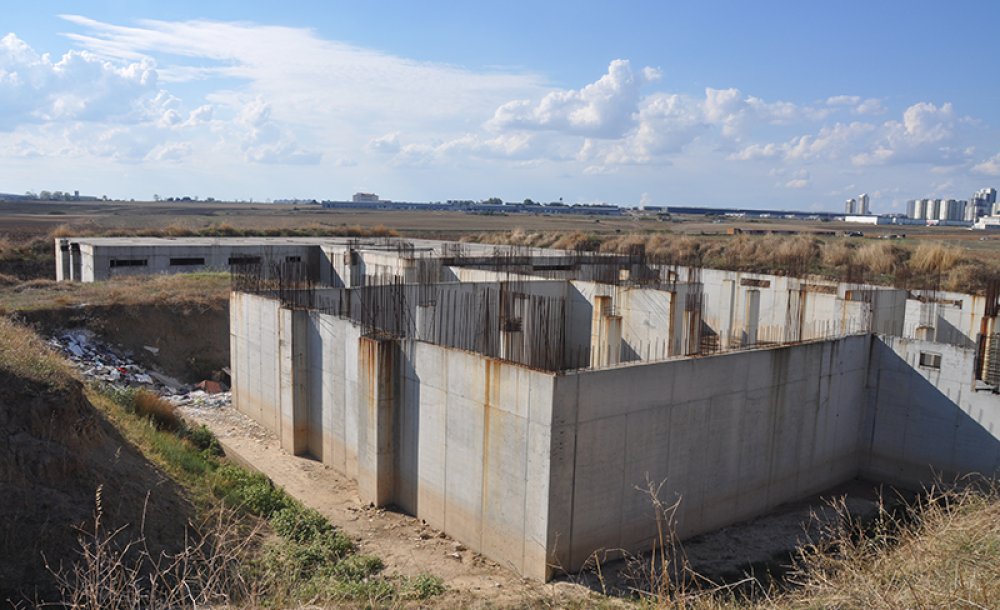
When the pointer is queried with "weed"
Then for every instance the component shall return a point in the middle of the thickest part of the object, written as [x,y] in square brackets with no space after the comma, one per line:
[251,491]
[202,438]
[424,586]
[300,524]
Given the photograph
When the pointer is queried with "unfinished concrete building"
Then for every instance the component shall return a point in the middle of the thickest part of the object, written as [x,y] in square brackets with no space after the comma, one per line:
[520,400]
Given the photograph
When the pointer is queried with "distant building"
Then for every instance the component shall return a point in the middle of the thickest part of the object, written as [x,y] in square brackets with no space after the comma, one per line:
[863,207]
[364,198]
[981,204]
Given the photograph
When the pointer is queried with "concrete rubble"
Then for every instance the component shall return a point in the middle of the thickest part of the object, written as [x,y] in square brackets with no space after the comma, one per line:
[100,362]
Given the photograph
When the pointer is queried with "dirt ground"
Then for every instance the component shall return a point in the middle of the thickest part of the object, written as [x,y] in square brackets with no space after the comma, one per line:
[405,544]
[408,546]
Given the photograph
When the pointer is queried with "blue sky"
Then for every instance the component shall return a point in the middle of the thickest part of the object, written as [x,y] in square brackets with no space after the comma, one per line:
[794,105]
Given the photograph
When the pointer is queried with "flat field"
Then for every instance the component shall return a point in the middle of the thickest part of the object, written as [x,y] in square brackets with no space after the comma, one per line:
[34,218]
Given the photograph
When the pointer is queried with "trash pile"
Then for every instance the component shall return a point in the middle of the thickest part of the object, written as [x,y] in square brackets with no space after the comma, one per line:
[100,362]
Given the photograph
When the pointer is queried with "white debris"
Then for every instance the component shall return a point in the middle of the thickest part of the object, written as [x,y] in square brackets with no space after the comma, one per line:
[151,349]
[101,362]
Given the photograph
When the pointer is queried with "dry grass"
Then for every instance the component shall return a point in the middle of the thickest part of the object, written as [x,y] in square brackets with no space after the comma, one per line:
[925,265]
[881,258]
[941,551]
[114,571]
[162,413]
[188,290]
[934,258]
[24,355]
[224,229]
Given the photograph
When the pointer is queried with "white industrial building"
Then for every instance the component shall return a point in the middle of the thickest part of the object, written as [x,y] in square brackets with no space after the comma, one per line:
[520,399]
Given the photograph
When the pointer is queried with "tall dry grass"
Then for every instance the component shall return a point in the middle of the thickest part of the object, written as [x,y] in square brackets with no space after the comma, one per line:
[927,265]
[941,550]
[23,355]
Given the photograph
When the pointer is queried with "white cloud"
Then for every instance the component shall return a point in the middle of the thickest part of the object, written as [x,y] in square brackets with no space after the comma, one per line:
[870,106]
[926,134]
[603,109]
[79,86]
[989,167]
[843,100]
[307,80]
[389,143]
[266,141]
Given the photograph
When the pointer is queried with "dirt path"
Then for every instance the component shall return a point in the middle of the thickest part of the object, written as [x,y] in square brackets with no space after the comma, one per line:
[404,543]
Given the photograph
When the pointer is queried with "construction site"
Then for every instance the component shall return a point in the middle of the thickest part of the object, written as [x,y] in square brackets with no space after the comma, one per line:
[521,400]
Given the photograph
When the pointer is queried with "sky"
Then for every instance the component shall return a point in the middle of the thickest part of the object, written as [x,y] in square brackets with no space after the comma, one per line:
[765,104]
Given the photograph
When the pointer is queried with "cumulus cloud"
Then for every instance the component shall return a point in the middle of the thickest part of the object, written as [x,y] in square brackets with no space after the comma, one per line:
[79,86]
[603,109]
[926,134]
[265,141]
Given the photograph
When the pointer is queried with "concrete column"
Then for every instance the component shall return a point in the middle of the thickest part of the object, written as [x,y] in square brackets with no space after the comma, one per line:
[379,394]
[752,317]
[293,374]
[729,310]
[613,339]
[598,340]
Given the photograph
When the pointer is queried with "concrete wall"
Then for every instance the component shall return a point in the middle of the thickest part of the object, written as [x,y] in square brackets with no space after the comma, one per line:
[732,435]
[925,421]
[98,260]
[253,344]
[456,438]
[474,452]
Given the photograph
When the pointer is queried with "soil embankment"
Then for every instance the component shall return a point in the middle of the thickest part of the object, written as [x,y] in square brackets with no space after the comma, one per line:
[56,451]
[187,342]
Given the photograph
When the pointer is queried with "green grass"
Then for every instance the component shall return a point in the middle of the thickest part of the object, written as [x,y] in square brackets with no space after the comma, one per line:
[306,558]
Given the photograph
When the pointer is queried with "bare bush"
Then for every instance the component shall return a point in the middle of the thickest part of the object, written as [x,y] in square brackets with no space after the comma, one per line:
[117,573]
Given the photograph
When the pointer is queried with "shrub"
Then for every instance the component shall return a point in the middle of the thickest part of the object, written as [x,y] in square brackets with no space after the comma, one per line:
[202,438]
[251,491]
[160,412]
[357,567]
[300,524]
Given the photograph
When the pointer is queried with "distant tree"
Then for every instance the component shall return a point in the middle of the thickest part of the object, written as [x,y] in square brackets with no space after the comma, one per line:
[529,202]
[156,197]
[494,201]
[45,195]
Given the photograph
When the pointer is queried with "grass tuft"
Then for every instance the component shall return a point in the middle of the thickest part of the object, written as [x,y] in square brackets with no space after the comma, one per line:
[24,355]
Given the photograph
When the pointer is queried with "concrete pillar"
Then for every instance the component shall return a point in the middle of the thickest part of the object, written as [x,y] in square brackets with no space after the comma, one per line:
[379,394]
[729,312]
[293,375]
[751,318]
[613,339]
[605,334]
[62,260]
[602,307]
